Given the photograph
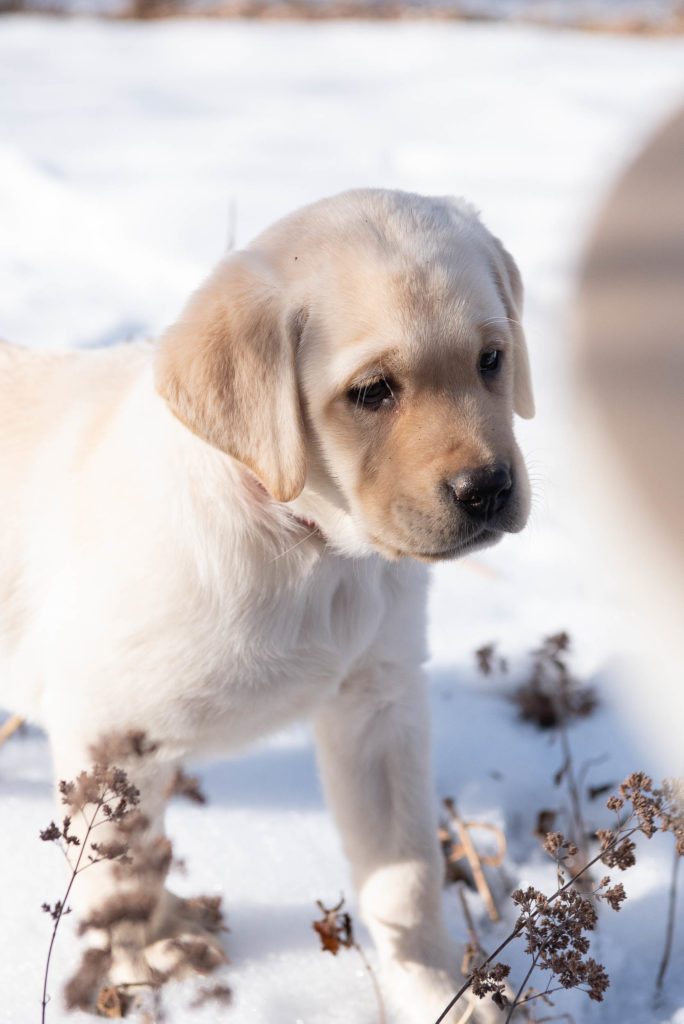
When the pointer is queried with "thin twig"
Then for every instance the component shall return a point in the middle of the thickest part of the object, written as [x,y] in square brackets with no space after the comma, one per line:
[475,946]
[62,909]
[9,727]
[472,933]
[541,995]
[466,848]
[573,789]
[382,1019]
[516,1002]
[591,762]
[669,931]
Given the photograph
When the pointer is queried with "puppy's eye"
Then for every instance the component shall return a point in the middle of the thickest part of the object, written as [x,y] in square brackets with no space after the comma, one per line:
[490,361]
[373,395]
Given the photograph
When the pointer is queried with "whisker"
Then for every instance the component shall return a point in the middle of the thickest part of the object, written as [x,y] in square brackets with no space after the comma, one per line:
[288,550]
[500,320]
[384,378]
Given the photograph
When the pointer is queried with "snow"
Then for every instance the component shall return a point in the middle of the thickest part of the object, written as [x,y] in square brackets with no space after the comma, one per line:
[124,148]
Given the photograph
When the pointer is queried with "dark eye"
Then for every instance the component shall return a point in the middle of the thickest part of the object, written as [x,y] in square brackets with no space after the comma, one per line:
[372,395]
[490,360]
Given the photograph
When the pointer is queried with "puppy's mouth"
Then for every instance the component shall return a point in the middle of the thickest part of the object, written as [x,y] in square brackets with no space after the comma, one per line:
[485,537]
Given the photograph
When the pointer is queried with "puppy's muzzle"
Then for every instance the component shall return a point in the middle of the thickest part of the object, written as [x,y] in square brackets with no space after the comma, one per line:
[483,492]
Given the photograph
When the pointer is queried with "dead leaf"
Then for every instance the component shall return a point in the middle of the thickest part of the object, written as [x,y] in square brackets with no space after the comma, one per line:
[334,929]
[110,1003]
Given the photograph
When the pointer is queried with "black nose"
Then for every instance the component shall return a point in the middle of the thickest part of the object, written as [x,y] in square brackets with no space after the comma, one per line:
[483,491]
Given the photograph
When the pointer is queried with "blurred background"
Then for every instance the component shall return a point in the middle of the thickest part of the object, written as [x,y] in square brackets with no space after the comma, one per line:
[614,15]
[138,142]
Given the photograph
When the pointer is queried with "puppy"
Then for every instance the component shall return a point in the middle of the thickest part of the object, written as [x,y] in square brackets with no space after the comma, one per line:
[212,536]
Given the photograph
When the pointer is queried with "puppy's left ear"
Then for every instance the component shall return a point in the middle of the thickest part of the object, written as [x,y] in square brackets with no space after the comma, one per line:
[510,287]
[227,371]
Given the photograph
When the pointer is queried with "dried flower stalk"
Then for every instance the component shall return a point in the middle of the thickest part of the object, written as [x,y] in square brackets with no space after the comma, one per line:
[556,927]
[336,931]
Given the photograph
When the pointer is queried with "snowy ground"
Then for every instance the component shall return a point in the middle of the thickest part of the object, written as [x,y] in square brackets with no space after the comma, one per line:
[123,150]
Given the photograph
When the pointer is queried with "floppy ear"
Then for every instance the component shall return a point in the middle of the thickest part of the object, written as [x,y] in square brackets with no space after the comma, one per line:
[511,289]
[227,371]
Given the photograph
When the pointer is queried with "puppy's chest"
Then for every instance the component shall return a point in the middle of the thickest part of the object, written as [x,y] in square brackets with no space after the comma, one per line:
[287,650]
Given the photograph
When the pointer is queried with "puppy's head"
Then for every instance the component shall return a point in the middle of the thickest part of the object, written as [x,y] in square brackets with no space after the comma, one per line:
[363,358]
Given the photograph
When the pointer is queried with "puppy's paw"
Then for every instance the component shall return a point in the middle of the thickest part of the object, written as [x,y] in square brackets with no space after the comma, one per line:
[421,994]
[130,966]
[201,915]
[185,955]
[182,938]
[185,936]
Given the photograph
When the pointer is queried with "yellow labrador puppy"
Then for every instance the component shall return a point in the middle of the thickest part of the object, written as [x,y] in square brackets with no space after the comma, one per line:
[214,535]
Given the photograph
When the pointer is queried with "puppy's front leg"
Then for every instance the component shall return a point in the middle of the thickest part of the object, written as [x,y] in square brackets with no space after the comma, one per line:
[374,754]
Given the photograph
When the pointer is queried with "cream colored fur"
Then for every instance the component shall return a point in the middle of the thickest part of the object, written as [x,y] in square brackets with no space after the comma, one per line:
[158,569]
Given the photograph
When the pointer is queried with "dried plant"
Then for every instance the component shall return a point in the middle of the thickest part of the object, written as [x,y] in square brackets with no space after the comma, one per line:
[335,929]
[218,993]
[139,860]
[656,810]
[552,698]
[187,786]
[556,929]
[102,795]
[489,660]
[459,848]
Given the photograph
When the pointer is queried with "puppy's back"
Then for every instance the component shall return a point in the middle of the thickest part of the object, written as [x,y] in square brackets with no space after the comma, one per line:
[56,411]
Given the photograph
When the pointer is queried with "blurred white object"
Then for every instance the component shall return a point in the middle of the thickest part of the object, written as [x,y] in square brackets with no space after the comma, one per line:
[630,388]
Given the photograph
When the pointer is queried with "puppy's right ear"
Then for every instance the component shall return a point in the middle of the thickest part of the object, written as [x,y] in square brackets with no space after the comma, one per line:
[227,371]
[510,287]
